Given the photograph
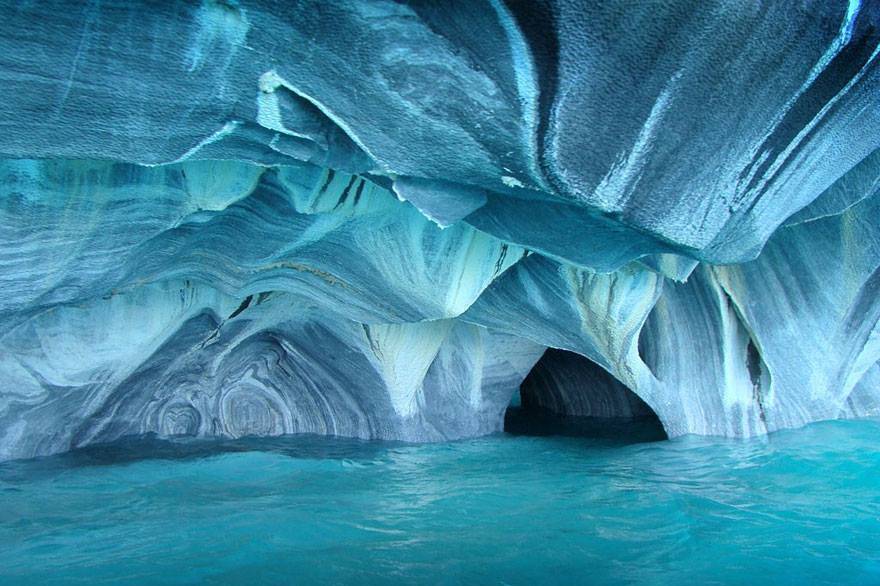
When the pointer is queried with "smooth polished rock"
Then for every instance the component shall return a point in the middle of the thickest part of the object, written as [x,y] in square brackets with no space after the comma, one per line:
[371,218]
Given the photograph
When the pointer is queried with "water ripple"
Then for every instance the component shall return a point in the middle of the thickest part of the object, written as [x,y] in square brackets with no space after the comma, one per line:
[798,507]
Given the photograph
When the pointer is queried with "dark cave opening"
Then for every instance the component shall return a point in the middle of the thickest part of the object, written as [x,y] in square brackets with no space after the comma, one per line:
[566,394]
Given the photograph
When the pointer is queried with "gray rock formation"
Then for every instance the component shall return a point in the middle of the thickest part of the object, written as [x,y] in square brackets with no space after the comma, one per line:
[371,218]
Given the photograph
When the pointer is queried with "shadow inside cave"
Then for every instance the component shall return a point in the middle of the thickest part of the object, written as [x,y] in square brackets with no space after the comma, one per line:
[566,394]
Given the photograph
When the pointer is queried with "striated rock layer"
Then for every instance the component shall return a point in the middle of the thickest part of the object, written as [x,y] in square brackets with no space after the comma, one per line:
[372,218]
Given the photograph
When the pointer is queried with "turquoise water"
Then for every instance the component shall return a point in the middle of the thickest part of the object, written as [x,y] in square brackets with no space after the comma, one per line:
[802,507]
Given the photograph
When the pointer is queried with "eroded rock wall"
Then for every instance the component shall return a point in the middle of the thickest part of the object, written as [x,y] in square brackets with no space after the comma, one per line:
[371,218]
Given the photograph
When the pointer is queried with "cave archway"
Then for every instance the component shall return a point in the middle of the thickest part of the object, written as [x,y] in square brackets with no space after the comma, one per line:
[567,394]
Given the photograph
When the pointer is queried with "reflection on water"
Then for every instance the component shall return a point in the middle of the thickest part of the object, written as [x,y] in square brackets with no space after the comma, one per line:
[610,506]
[520,421]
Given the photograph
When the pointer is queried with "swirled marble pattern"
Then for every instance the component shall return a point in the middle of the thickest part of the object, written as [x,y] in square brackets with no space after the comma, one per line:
[175,358]
[371,218]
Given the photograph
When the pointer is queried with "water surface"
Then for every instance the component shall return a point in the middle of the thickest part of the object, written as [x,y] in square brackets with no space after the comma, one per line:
[802,507]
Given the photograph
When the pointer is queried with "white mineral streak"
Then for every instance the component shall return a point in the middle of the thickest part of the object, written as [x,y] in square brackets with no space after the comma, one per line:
[371,219]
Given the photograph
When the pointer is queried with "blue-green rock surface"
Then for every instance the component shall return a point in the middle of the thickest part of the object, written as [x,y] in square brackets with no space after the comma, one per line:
[371,218]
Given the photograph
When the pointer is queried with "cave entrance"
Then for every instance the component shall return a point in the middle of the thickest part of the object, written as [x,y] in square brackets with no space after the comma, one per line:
[569,395]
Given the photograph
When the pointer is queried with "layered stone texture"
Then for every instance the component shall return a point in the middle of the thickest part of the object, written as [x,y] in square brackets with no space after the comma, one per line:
[371,218]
